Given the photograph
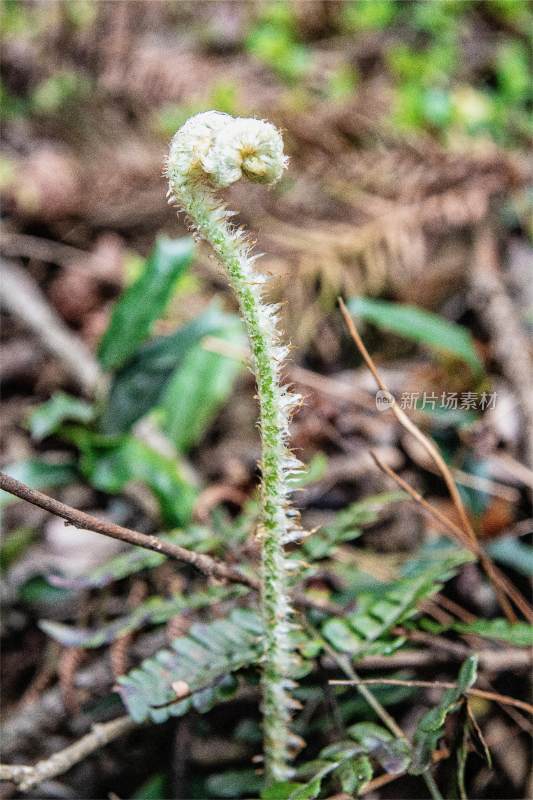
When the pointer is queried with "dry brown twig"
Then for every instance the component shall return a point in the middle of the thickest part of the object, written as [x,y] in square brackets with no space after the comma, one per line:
[27,777]
[209,566]
[466,535]
[79,519]
[456,532]
[496,696]
[22,244]
[21,296]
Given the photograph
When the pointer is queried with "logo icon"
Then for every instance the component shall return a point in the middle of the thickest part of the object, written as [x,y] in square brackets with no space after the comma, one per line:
[384,400]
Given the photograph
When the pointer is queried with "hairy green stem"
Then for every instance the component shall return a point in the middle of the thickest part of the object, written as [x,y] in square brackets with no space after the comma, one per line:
[195,196]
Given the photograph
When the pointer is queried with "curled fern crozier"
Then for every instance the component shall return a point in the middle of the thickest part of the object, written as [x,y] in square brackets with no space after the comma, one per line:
[210,152]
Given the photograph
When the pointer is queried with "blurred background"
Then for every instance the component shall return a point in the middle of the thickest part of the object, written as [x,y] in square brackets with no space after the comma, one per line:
[408,126]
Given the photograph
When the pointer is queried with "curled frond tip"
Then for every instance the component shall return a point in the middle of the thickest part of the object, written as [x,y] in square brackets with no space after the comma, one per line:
[223,148]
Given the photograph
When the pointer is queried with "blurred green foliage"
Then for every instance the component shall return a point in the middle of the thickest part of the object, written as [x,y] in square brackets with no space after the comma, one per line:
[38,474]
[342,82]
[364,15]
[222,96]
[55,93]
[14,544]
[176,379]
[274,40]
[144,301]
[421,326]
[433,89]
[455,68]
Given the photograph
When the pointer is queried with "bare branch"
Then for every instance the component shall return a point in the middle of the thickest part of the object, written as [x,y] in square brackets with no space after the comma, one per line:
[26,777]
[200,561]
[79,519]
[22,297]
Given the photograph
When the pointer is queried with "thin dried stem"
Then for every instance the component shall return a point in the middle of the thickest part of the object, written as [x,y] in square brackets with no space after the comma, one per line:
[502,582]
[467,534]
[409,426]
[496,696]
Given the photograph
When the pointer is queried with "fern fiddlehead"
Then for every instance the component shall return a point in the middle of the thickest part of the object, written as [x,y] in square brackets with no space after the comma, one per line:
[209,152]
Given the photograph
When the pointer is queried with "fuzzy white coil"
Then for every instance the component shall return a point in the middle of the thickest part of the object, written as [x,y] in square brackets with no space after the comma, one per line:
[224,148]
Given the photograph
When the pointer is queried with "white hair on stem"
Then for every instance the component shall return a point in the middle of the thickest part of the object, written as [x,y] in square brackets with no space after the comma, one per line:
[211,151]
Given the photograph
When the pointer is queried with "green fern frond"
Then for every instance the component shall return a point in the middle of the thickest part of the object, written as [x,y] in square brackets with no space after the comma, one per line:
[203,660]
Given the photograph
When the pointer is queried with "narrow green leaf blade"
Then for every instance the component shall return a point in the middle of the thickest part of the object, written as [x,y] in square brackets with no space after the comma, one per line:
[138,386]
[519,634]
[144,301]
[419,326]
[430,728]
[200,386]
[109,464]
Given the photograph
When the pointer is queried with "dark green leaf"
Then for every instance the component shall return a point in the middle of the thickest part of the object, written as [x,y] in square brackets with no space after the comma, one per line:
[155,788]
[382,608]
[281,790]
[199,387]
[48,418]
[37,591]
[38,474]
[311,789]
[234,783]
[144,301]
[343,761]
[14,545]
[354,775]
[109,464]
[419,326]
[341,636]
[138,386]
[430,728]
[393,754]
